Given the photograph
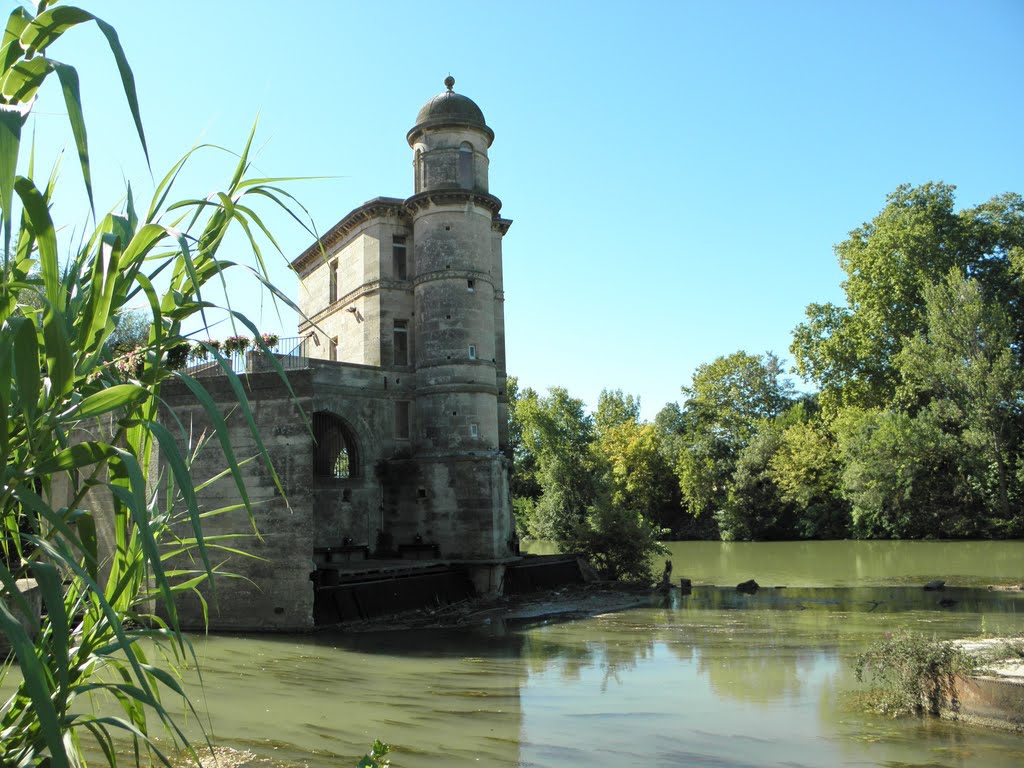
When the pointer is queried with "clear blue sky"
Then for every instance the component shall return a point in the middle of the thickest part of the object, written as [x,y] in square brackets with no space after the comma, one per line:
[678,172]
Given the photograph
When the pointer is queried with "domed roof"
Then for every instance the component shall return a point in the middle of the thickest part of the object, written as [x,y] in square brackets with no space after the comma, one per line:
[450,108]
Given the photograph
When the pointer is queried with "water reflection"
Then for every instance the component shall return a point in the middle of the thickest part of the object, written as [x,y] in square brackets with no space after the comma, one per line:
[662,686]
[681,683]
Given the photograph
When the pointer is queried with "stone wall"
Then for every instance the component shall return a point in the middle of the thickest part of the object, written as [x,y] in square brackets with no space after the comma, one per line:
[274,591]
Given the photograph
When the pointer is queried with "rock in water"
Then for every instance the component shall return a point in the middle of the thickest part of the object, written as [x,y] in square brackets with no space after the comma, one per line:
[748,587]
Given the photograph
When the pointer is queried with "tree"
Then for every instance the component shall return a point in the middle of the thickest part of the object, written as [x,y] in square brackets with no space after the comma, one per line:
[615,409]
[726,404]
[967,364]
[618,541]
[74,431]
[754,508]
[557,432]
[807,471]
[639,476]
[731,395]
[906,477]
[850,351]
[525,486]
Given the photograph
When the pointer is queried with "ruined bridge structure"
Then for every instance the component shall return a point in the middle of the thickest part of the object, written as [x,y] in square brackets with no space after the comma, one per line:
[401,372]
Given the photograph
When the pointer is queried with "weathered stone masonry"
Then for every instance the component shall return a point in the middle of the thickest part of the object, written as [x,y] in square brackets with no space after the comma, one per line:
[402,382]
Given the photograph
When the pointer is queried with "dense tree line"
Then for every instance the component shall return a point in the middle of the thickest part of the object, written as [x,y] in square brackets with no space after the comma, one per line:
[915,430]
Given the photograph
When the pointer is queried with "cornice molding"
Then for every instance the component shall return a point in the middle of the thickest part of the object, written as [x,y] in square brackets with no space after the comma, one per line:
[453,274]
[440,197]
[379,207]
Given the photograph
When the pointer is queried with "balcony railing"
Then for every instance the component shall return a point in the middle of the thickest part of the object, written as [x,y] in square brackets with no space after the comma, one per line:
[291,353]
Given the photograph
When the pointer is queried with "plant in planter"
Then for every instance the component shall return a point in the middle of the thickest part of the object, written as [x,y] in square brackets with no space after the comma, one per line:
[233,344]
[270,339]
[201,350]
[178,355]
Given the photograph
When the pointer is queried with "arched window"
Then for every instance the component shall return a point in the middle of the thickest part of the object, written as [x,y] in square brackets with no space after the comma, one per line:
[335,454]
[466,165]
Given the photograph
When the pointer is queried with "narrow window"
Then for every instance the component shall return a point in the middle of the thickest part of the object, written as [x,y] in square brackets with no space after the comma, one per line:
[472,351]
[333,297]
[398,257]
[474,431]
[466,165]
[471,285]
[402,420]
[333,348]
[401,342]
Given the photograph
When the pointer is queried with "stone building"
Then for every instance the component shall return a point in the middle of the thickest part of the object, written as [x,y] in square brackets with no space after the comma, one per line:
[401,372]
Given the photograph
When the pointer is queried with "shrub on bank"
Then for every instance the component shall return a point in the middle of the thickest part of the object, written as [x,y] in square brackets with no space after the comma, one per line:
[911,674]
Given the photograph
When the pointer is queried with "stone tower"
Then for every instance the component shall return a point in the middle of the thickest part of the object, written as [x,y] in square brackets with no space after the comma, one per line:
[413,288]
[389,430]
[460,356]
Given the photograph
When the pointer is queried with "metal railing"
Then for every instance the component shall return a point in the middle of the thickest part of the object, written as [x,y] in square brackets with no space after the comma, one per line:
[291,353]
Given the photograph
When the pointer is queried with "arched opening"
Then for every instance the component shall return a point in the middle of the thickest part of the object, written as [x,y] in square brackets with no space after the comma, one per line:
[336,452]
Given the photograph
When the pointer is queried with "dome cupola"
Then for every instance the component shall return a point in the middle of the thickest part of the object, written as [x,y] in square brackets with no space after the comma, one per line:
[449,110]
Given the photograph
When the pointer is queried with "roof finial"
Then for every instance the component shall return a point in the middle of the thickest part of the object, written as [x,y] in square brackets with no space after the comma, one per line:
[450,82]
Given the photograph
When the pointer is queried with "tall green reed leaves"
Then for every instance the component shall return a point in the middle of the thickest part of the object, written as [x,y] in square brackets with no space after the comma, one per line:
[78,430]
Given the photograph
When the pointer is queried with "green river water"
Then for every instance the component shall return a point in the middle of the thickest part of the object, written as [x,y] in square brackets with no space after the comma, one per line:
[670,685]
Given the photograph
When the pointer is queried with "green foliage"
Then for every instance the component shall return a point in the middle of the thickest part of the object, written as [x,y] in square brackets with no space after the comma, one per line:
[617,541]
[917,432]
[808,473]
[913,243]
[596,492]
[615,409]
[78,435]
[730,396]
[911,674]
[966,364]
[754,509]
[904,477]
[727,402]
[131,331]
[525,486]
[556,436]
[377,757]
[638,475]
[920,373]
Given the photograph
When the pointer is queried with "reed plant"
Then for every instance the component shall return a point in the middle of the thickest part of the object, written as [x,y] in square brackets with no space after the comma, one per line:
[79,426]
